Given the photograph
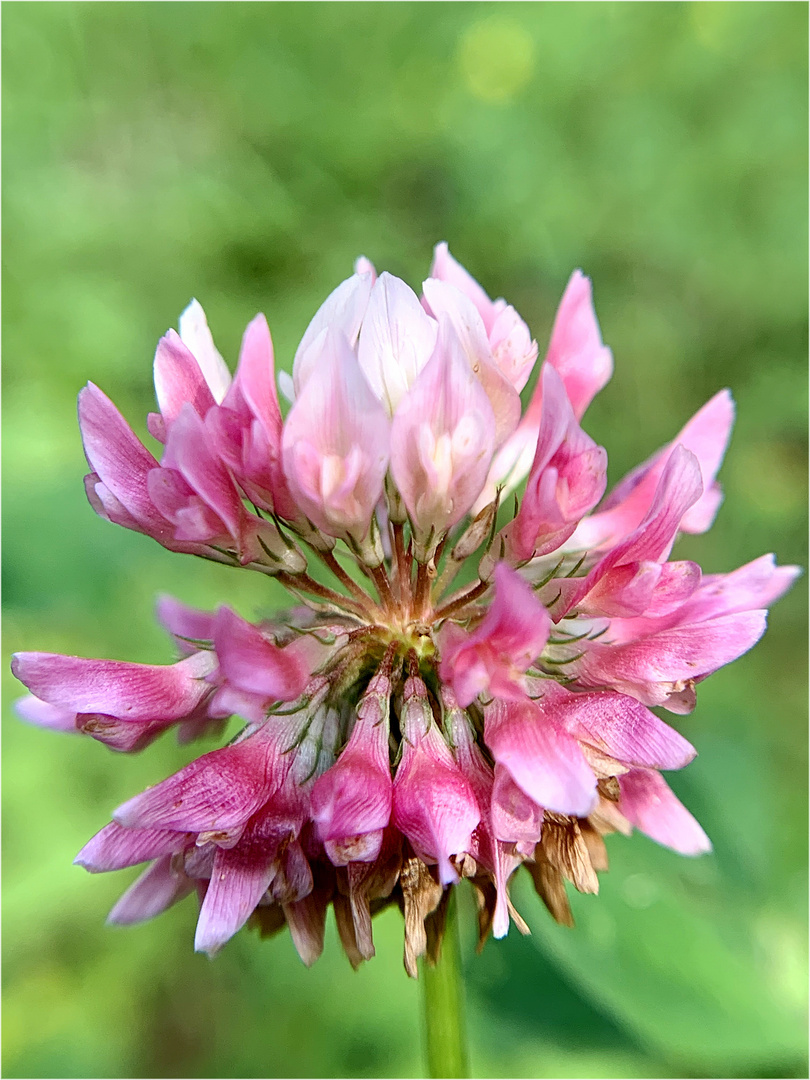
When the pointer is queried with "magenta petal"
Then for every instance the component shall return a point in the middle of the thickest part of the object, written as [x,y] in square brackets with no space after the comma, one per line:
[543,759]
[648,803]
[158,887]
[253,664]
[115,847]
[116,687]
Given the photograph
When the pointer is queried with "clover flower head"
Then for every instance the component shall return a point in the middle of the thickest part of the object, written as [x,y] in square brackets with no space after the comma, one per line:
[403,731]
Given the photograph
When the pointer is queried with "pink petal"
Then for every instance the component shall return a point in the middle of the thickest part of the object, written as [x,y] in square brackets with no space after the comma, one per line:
[179,379]
[239,879]
[115,847]
[186,624]
[706,436]
[621,728]
[434,804]
[671,656]
[218,791]
[510,637]
[119,459]
[542,758]
[252,663]
[155,890]
[648,803]
[576,348]
[116,687]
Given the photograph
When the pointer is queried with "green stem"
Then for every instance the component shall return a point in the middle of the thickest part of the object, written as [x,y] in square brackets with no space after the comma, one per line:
[443,1004]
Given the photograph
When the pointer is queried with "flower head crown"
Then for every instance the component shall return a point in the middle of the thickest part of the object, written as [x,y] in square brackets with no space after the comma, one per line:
[403,732]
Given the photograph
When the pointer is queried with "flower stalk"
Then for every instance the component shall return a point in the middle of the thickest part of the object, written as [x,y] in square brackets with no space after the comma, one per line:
[445,1031]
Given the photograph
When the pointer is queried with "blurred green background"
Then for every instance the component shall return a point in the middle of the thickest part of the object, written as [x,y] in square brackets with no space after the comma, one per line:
[246,153]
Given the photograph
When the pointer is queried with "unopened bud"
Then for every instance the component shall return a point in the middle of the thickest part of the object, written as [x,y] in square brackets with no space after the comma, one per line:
[475,534]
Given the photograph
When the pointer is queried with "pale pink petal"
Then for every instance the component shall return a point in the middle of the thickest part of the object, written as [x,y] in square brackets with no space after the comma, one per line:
[442,439]
[196,336]
[648,803]
[445,301]
[335,444]
[341,312]
[42,714]
[446,268]
[515,817]
[396,340]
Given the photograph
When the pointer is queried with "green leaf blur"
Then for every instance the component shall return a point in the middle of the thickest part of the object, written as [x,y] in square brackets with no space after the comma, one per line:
[246,153]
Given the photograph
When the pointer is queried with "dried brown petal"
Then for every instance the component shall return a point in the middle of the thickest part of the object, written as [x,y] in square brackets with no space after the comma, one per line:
[608,788]
[595,845]
[562,845]
[306,918]
[268,919]
[550,887]
[434,929]
[421,894]
[485,898]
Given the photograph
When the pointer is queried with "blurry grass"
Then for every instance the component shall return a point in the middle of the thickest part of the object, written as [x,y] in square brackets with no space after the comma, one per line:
[246,153]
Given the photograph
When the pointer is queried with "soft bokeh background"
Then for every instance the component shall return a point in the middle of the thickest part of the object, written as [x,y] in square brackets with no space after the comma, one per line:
[246,153]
